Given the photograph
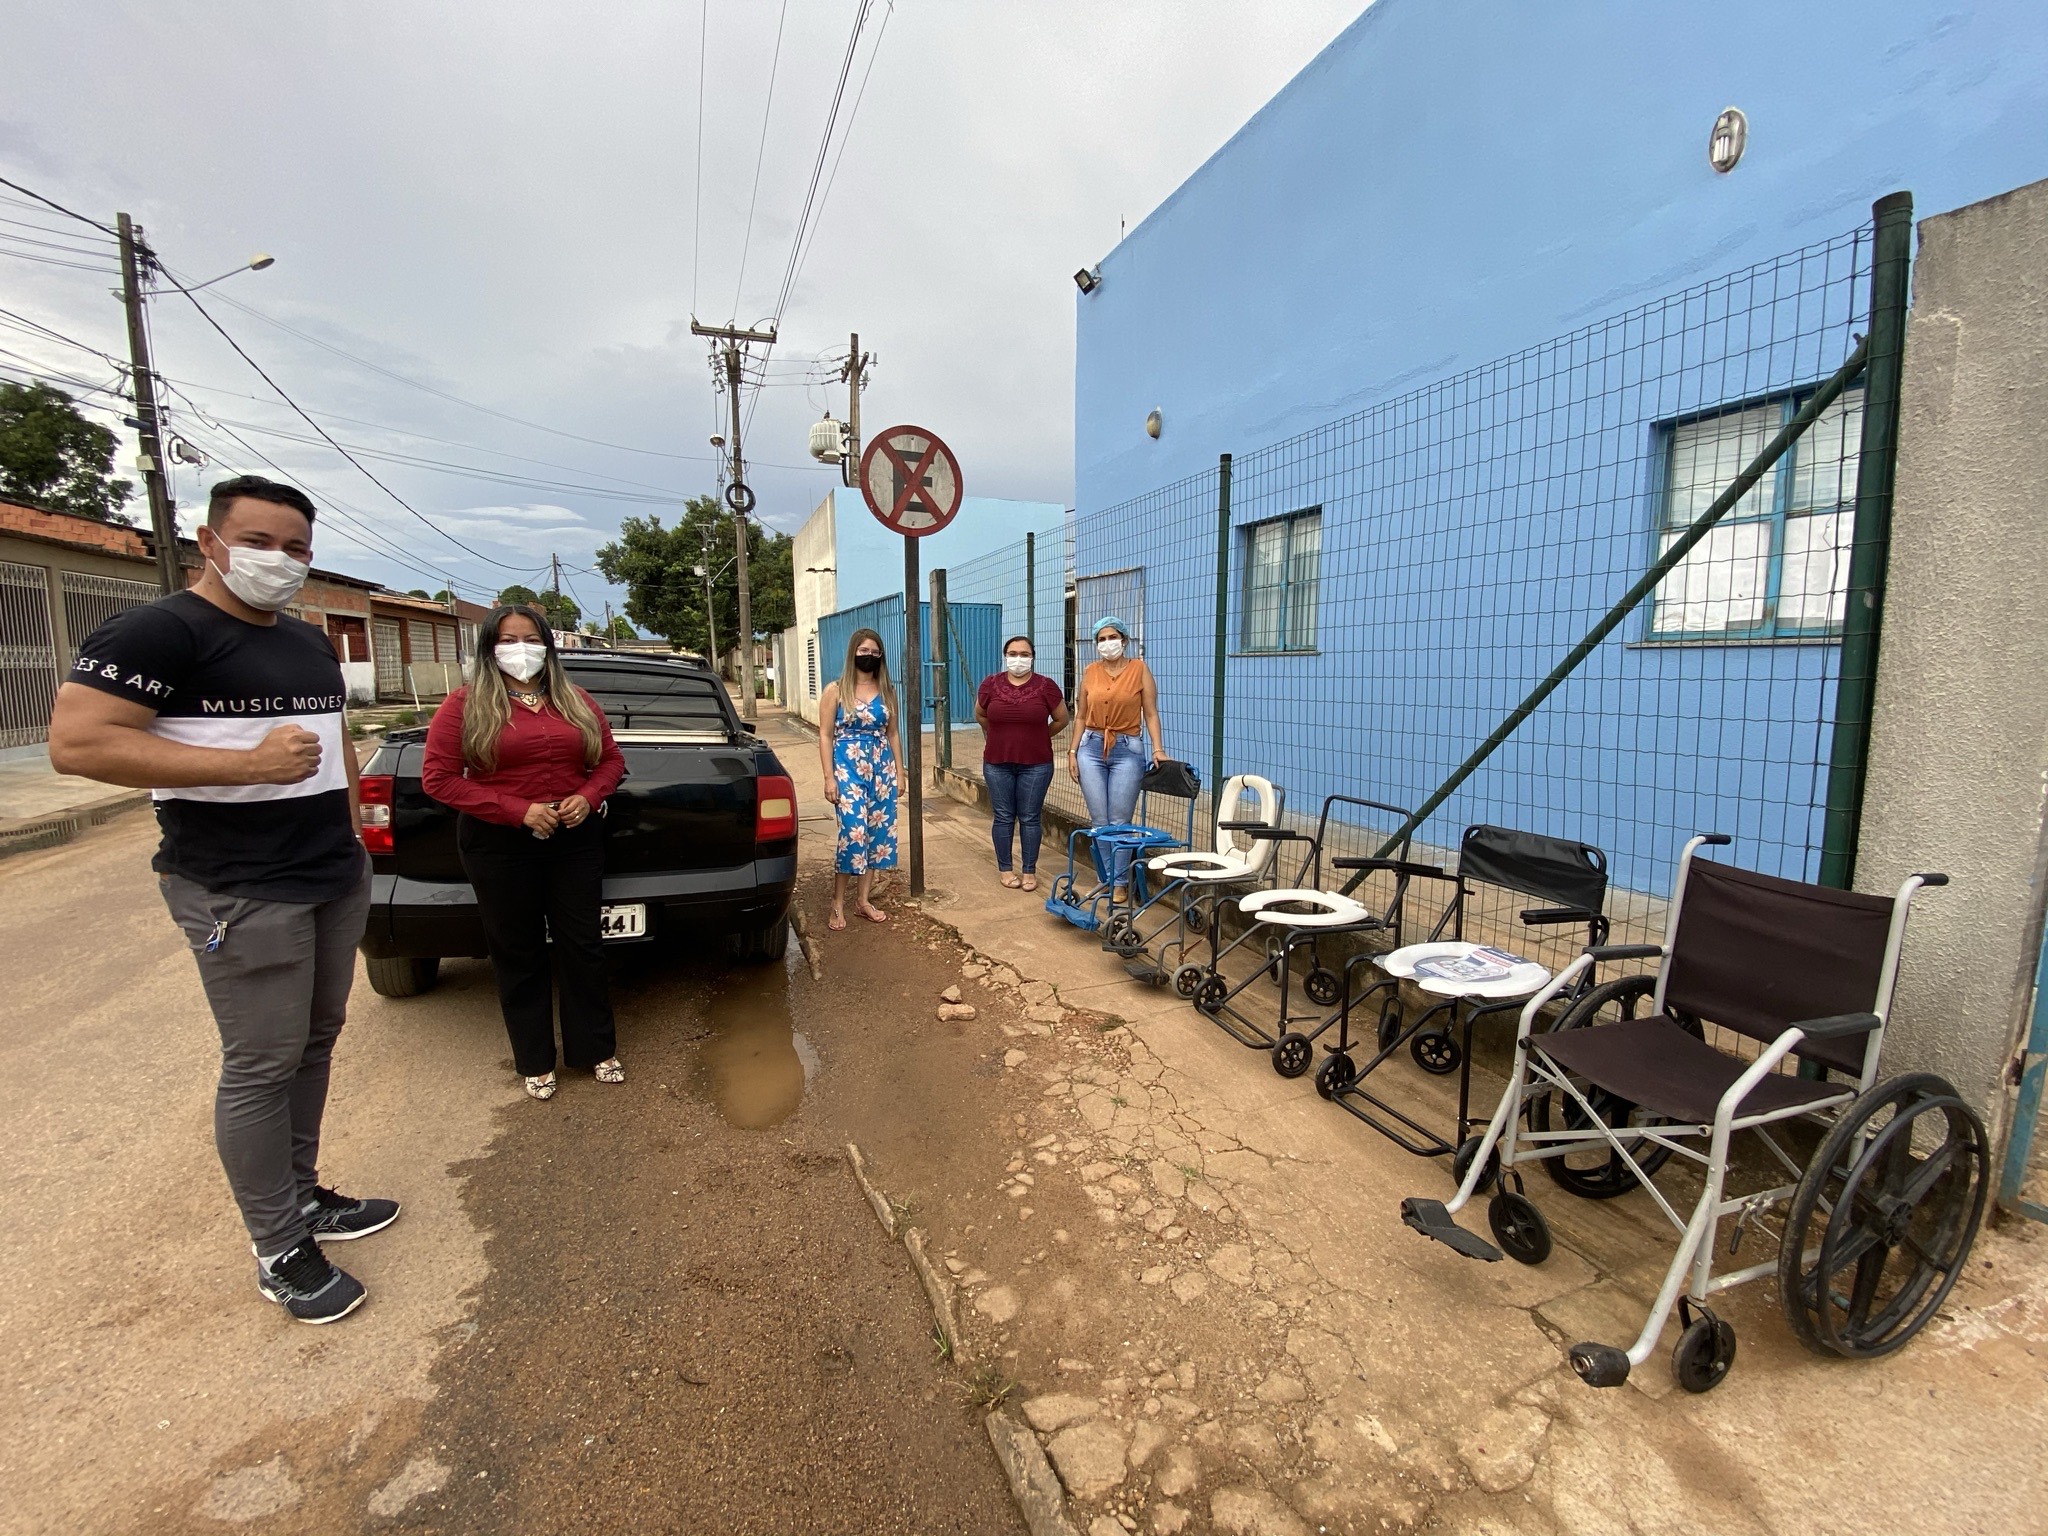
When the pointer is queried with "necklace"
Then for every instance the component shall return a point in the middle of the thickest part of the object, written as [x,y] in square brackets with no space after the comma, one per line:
[530,700]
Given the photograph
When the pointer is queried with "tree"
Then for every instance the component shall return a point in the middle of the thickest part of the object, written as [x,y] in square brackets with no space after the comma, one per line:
[657,565]
[419,592]
[562,611]
[444,596]
[620,630]
[51,456]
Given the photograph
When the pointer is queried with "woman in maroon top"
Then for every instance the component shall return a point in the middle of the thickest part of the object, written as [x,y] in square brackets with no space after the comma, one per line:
[1020,713]
[527,758]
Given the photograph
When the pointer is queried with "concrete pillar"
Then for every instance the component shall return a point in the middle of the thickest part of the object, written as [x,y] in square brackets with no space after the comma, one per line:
[1959,748]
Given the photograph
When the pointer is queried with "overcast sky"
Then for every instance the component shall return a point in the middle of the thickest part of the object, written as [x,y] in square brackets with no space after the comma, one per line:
[501,202]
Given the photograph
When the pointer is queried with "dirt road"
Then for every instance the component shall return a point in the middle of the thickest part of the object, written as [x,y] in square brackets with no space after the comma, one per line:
[662,1306]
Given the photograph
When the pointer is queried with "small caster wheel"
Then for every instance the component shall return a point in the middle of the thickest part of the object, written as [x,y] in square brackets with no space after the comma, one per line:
[1436,1052]
[1209,997]
[1335,1075]
[1390,1026]
[1062,890]
[1322,987]
[1518,1227]
[1705,1353]
[1461,1163]
[1292,1054]
[1187,979]
[1118,931]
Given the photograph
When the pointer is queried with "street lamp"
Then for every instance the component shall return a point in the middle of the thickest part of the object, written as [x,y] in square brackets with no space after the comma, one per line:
[255,263]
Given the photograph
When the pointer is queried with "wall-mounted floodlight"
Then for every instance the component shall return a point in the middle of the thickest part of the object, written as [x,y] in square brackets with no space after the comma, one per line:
[1728,140]
[1088,279]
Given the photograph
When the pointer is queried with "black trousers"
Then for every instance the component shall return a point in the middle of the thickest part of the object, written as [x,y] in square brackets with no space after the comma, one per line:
[529,889]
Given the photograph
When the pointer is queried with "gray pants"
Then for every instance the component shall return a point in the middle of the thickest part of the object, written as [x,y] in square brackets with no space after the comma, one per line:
[277,982]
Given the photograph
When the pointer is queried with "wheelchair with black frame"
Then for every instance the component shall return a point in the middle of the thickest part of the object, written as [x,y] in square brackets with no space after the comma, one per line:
[1464,981]
[1286,921]
[1194,882]
[1097,907]
[1873,1228]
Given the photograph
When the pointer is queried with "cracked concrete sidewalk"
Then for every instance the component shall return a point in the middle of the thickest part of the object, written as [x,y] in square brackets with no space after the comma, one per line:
[1344,1374]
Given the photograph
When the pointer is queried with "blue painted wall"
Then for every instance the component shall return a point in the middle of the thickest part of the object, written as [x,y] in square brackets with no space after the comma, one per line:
[975,651]
[1450,183]
[870,557]
[1452,180]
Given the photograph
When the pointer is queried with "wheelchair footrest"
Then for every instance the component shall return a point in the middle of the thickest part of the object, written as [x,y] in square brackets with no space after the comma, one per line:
[1148,971]
[1600,1365]
[1431,1219]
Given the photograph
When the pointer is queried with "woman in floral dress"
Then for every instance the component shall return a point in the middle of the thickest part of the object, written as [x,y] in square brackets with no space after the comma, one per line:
[859,747]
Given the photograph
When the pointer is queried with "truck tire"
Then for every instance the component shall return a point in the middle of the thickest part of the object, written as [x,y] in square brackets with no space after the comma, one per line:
[401,977]
[762,946]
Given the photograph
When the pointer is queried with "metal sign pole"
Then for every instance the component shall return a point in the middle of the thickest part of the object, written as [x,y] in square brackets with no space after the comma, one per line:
[912,724]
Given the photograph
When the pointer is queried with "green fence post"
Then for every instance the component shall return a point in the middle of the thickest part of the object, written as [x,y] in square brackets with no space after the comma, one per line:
[1222,631]
[1031,590]
[942,671]
[1891,269]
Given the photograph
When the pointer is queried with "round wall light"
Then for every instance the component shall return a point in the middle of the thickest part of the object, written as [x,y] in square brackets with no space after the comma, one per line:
[1728,140]
[1153,423]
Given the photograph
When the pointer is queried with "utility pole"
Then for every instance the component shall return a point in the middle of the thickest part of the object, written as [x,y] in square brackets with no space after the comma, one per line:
[739,495]
[161,522]
[854,374]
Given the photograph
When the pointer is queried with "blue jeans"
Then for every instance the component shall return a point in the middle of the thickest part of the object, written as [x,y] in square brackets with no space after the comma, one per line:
[1110,786]
[1016,792]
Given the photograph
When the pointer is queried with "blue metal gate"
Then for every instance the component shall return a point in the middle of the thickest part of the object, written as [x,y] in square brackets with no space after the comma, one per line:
[974,651]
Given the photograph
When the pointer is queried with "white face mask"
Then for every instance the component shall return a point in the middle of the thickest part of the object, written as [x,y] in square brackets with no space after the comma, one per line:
[520,658]
[263,578]
[1109,650]
[1017,666]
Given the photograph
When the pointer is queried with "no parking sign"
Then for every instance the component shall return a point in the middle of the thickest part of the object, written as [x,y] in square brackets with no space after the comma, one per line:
[911,481]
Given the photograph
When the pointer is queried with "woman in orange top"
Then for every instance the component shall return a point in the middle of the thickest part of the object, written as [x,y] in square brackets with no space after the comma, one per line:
[1117,699]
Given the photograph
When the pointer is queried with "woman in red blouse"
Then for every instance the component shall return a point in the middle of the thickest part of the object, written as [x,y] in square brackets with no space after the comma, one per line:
[527,757]
[1020,713]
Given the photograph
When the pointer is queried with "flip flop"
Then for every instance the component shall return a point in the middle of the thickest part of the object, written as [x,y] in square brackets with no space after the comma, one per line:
[835,922]
[874,914]
[1011,881]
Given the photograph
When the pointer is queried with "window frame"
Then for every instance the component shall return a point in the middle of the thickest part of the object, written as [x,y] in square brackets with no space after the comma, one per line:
[1771,630]
[1288,588]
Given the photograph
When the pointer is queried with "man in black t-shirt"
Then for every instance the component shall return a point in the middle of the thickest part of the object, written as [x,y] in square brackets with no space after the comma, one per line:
[231,712]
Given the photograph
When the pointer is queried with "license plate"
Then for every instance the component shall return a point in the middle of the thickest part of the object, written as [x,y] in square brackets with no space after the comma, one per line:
[628,921]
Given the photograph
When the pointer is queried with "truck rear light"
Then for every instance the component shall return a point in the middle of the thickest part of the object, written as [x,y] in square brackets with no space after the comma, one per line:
[774,809]
[374,797]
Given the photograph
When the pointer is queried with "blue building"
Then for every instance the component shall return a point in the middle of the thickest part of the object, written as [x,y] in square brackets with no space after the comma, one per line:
[1484,323]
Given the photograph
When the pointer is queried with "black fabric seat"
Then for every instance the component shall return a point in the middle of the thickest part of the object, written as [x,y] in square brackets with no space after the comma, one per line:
[1655,1063]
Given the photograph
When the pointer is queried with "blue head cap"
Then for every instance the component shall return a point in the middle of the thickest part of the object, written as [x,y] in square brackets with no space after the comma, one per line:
[1111,621]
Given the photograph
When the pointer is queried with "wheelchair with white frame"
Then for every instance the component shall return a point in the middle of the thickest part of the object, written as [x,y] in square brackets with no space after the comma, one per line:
[1289,928]
[1193,882]
[1873,1228]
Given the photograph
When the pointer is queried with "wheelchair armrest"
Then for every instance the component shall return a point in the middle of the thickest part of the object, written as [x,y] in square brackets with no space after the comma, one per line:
[1398,866]
[1836,1025]
[1627,951]
[1259,831]
[1536,915]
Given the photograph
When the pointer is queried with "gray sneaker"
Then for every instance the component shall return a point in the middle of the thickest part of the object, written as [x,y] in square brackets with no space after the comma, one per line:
[302,1282]
[333,1217]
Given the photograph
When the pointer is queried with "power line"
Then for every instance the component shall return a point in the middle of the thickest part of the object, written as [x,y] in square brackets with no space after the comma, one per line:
[46,202]
[205,315]
[378,368]
[888,11]
[860,18]
[51,261]
[768,106]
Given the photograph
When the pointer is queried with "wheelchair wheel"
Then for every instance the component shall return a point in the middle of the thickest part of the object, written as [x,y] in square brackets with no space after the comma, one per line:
[1599,1172]
[1120,932]
[1322,987]
[1062,888]
[1518,1227]
[1292,1054]
[1187,979]
[1337,1073]
[1390,1023]
[1210,995]
[1705,1353]
[1461,1163]
[1892,1228]
[1436,1052]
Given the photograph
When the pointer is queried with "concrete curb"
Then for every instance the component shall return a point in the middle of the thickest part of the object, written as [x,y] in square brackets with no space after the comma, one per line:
[1033,1484]
[60,827]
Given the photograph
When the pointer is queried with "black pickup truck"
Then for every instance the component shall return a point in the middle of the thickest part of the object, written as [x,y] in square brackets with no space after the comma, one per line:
[700,839]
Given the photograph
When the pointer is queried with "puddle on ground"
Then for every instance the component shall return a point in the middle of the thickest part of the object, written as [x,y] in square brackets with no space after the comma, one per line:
[754,1065]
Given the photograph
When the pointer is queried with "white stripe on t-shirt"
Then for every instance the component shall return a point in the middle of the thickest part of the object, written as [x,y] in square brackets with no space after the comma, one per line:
[241,732]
